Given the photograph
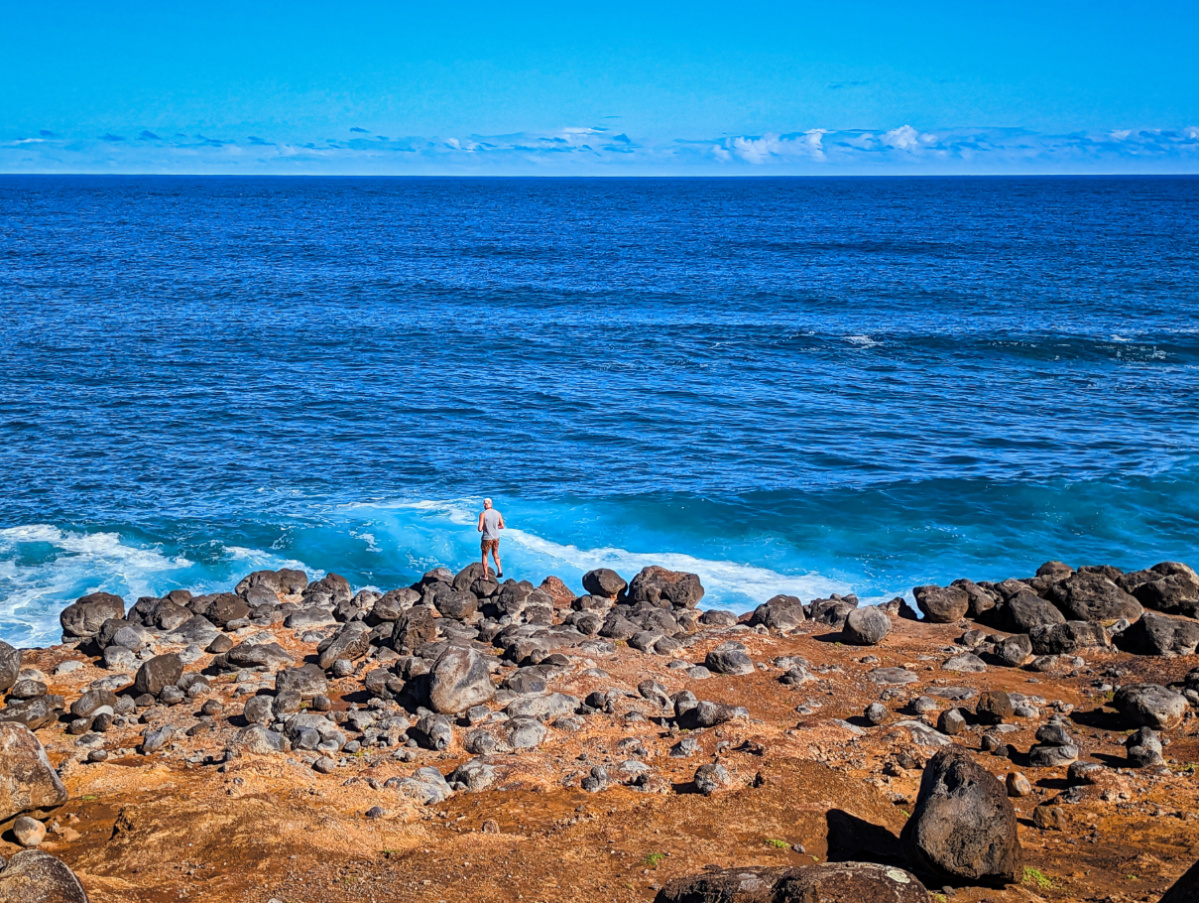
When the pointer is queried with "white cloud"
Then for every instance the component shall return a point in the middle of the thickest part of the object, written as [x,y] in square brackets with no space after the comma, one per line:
[906,138]
[1191,133]
[772,147]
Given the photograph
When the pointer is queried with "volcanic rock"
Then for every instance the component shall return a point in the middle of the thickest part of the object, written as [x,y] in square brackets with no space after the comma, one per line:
[666,589]
[777,613]
[87,614]
[1151,705]
[942,604]
[963,826]
[459,680]
[866,626]
[1091,596]
[32,876]
[730,658]
[159,672]
[27,780]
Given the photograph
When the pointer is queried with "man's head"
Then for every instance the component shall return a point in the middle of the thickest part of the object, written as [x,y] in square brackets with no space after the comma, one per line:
[486,503]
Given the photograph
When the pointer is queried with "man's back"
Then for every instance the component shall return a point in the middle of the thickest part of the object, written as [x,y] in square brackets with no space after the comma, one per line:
[491,523]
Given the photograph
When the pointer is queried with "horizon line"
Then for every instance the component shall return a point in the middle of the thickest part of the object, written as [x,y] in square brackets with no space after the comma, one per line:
[609,176]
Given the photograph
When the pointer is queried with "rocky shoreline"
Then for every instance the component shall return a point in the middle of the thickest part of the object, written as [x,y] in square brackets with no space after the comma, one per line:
[1035,738]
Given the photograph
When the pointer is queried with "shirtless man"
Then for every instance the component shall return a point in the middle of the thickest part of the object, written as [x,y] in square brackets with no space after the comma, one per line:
[490,524]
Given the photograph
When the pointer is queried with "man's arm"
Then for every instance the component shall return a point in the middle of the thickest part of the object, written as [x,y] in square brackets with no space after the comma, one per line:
[501,523]
[480,525]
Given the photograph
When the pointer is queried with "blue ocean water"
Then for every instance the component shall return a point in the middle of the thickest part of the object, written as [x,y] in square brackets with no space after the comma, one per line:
[808,385]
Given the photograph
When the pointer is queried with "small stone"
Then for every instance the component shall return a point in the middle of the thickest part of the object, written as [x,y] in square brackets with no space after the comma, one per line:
[711,778]
[324,765]
[374,812]
[1018,785]
[951,723]
[29,831]
[876,713]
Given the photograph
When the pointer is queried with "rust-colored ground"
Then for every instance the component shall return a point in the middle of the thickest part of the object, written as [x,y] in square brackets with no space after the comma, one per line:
[157,829]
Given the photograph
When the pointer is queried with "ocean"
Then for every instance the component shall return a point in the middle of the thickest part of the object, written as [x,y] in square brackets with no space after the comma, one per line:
[784,385]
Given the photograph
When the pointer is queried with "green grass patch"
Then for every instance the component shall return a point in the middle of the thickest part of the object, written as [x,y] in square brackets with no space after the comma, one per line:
[653,860]
[89,797]
[1036,878]
[775,842]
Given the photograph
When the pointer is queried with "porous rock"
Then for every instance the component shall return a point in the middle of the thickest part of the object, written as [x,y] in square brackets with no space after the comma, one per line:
[459,679]
[866,626]
[157,673]
[861,882]
[942,604]
[32,876]
[665,588]
[1089,595]
[1151,705]
[964,825]
[27,780]
[87,614]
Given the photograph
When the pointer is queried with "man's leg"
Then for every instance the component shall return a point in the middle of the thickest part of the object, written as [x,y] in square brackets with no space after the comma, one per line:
[485,575]
[495,552]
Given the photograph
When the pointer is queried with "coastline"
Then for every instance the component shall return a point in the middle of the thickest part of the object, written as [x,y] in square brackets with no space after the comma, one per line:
[274,742]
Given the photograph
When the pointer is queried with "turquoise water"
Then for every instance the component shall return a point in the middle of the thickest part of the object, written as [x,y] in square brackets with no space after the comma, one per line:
[784,385]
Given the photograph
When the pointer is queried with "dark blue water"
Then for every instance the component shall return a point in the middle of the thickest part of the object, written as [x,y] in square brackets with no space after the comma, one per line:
[800,384]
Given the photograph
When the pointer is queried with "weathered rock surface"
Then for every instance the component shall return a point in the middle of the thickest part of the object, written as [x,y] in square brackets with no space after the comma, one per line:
[866,626]
[963,826]
[942,604]
[459,679]
[27,780]
[32,876]
[1151,705]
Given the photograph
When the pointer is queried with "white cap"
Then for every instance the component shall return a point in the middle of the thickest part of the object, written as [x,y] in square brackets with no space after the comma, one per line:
[486,501]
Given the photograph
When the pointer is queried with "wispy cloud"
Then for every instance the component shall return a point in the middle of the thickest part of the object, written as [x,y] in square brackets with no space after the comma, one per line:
[897,147]
[841,86]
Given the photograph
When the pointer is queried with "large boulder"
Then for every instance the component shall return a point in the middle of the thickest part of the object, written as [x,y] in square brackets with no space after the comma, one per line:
[308,681]
[157,673]
[860,882]
[1067,638]
[32,876]
[604,582]
[1156,634]
[1171,587]
[866,626]
[226,607]
[459,679]
[351,642]
[779,612]
[87,614]
[964,826]
[666,589]
[1151,705]
[730,658]
[10,666]
[1091,595]
[752,884]
[27,780]
[33,713]
[942,604]
[1025,610]
[414,628]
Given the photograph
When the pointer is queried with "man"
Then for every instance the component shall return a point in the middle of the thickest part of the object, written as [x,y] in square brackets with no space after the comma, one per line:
[490,524]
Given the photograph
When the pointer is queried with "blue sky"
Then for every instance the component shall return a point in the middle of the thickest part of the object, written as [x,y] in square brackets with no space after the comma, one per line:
[620,88]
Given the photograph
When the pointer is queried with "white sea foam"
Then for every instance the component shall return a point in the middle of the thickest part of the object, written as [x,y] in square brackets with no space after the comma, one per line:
[862,341]
[33,591]
[726,582]
[37,582]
